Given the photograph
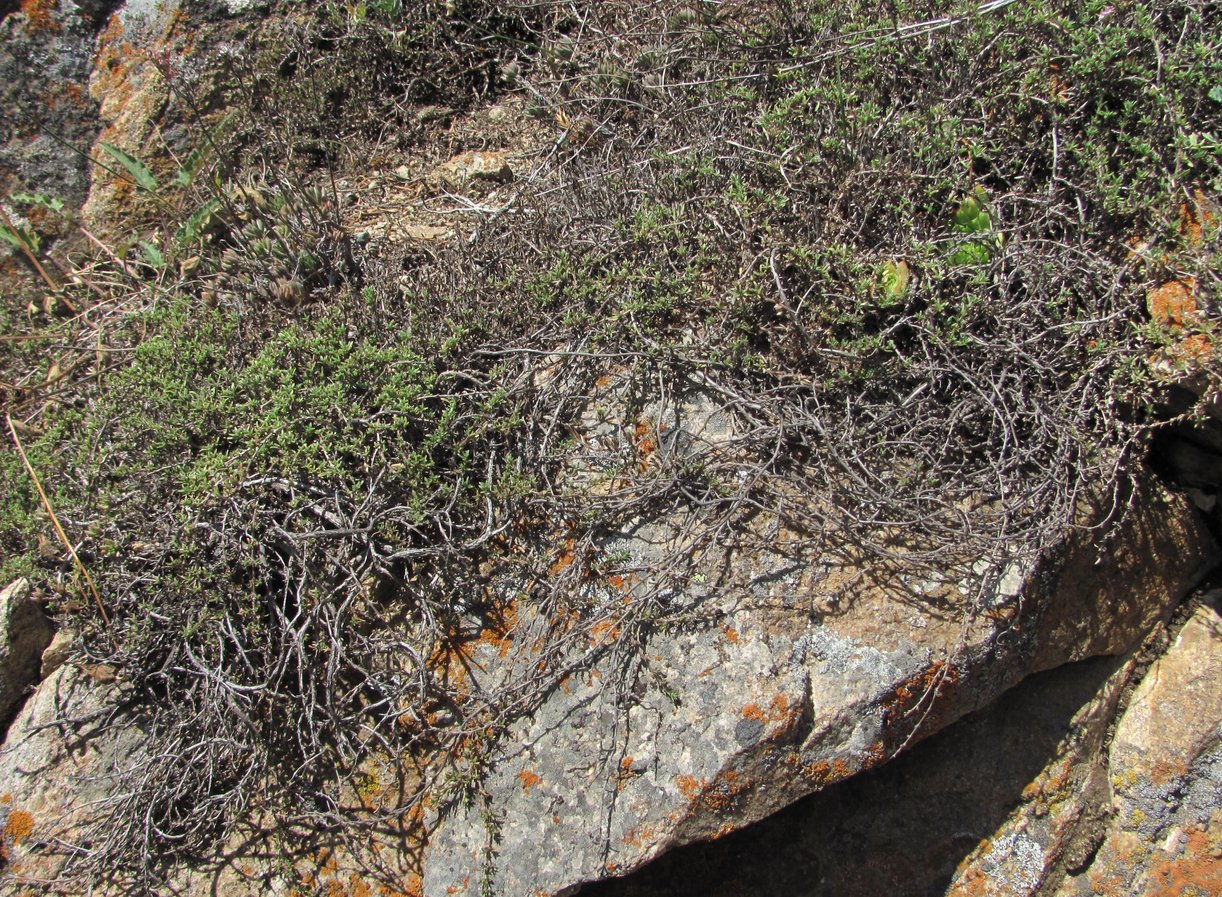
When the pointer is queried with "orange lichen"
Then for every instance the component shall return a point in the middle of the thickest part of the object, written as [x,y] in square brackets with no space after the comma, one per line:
[754,712]
[645,438]
[19,826]
[357,887]
[604,632]
[503,621]
[1173,304]
[625,773]
[1195,870]
[529,779]
[604,381]
[731,634]
[689,786]
[778,707]
[641,837]
[40,15]
[564,560]
[1194,219]
[930,689]
[824,772]
[1194,347]
[721,796]
[875,755]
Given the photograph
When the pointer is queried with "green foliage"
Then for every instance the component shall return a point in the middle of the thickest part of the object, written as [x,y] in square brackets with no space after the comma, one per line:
[139,172]
[899,262]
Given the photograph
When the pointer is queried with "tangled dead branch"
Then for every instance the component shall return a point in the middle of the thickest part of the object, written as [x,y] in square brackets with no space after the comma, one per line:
[776,272]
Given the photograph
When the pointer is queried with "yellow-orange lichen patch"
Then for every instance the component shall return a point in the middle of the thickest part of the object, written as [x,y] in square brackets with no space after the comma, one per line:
[1195,218]
[1163,770]
[1193,871]
[689,786]
[730,633]
[1173,304]
[564,559]
[722,795]
[825,772]
[929,689]
[621,583]
[643,836]
[625,773]
[754,712]
[40,15]
[778,708]
[645,438]
[529,779]
[604,632]
[18,826]
[503,621]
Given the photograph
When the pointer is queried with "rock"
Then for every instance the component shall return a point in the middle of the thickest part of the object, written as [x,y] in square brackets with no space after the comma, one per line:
[131,95]
[58,652]
[703,729]
[908,828]
[24,632]
[1165,777]
[1022,799]
[425,233]
[46,52]
[57,770]
[469,167]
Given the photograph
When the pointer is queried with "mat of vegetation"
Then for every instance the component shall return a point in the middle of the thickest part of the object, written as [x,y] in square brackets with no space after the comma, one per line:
[905,247]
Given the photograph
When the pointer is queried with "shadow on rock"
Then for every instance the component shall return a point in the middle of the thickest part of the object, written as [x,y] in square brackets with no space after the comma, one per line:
[902,829]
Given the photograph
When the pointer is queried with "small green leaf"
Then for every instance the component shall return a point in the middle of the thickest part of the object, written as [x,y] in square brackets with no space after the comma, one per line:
[10,236]
[21,238]
[194,226]
[971,254]
[152,254]
[895,279]
[1215,93]
[970,217]
[138,170]
[195,160]
[40,199]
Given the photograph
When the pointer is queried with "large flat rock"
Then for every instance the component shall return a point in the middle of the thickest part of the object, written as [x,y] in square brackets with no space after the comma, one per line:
[795,676]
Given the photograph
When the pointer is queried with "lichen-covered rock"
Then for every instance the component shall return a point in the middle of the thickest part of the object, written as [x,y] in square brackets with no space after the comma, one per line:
[131,94]
[49,121]
[907,828]
[57,770]
[1165,774]
[795,677]
[469,167]
[1024,798]
[24,632]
